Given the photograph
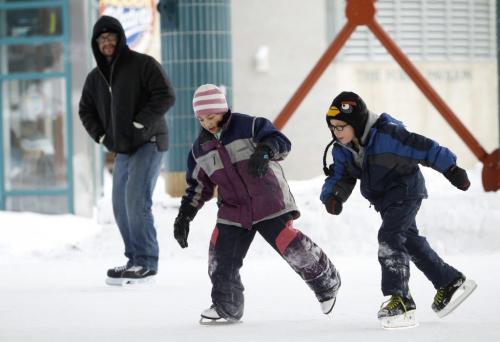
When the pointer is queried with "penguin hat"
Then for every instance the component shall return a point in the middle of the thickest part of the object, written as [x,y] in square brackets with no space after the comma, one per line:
[350,108]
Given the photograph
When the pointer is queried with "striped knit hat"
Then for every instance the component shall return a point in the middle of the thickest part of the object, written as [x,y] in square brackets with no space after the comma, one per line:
[209,99]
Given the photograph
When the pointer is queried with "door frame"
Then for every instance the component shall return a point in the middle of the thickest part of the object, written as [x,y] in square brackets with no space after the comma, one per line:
[64,38]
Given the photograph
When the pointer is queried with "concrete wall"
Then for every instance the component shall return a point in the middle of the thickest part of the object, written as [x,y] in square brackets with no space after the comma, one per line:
[294,32]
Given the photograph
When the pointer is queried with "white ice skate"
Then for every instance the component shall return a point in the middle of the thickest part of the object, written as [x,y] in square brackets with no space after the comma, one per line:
[327,306]
[457,297]
[211,317]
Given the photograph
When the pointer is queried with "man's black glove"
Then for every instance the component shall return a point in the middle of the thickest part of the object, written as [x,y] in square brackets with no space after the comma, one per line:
[458,177]
[333,206]
[258,164]
[181,224]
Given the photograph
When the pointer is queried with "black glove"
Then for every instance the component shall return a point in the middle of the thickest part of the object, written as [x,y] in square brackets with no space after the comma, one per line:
[333,206]
[181,230]
[458,177]
[258,164]
[181,224]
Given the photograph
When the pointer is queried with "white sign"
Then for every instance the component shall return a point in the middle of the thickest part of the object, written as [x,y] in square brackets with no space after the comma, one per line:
[139,19]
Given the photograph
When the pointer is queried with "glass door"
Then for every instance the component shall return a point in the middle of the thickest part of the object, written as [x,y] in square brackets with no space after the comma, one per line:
[35,168]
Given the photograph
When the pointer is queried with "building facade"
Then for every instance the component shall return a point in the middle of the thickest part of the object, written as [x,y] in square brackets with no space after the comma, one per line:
[47,165]
[452,43]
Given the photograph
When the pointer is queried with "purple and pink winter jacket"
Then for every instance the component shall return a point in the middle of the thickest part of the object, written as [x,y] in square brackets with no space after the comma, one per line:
[242,199]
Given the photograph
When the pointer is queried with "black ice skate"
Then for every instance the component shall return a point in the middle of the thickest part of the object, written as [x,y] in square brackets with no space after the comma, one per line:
[210,316]
[398,313]
[452,295]
[122,275]
[115,275]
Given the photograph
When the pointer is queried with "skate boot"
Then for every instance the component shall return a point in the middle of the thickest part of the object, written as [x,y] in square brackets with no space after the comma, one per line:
[327,305]
[452,295]
[398,313]
[115,275]
[210,316]
[138,275]
[120,276]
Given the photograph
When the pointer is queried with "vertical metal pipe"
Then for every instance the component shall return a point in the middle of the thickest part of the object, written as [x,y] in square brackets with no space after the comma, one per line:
[497,18]
[2,179]
[68,119]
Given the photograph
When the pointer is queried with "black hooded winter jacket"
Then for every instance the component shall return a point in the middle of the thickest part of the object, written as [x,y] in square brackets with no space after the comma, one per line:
[133,88]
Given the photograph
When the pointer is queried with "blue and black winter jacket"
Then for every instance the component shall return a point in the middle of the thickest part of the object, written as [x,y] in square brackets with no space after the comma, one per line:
[389,169]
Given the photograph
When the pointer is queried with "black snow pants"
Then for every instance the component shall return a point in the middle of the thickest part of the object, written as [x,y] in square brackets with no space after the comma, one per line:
[400,242]
[229,245]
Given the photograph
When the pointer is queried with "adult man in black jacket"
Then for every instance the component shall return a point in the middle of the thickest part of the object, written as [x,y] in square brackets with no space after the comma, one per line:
[123,106]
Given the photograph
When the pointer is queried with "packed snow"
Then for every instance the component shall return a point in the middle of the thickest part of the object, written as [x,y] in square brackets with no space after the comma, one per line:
[53,270]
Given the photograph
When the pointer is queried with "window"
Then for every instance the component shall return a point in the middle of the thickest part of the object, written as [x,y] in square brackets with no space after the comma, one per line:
[436,30]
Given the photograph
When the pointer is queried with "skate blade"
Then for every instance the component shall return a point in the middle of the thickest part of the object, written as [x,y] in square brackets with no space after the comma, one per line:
[327,307]
[459,296]
[129,282]
[405,321]
[217,321]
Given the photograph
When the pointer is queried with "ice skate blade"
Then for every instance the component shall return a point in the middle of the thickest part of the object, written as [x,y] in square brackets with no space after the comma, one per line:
[405,321]
[129,281]
[327,306]
[459,296]
[217,321]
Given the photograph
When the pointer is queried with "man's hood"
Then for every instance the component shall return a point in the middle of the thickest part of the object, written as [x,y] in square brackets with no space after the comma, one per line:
[107,24]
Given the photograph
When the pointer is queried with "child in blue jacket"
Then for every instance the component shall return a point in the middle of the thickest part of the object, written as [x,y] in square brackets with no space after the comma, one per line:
[378,150]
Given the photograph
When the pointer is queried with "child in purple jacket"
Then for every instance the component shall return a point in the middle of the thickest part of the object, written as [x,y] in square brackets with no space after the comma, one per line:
[239,155]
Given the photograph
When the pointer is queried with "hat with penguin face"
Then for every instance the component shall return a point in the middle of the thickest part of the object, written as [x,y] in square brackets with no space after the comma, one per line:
[350,108]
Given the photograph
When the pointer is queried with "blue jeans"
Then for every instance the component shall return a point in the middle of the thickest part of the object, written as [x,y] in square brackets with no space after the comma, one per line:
[134,179]
[400,242]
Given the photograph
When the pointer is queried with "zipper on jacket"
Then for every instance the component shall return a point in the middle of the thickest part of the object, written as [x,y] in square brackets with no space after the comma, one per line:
[109,85]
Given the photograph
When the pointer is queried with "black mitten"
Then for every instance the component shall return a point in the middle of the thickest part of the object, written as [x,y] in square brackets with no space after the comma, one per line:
[458,177]
[181,224]
[181,230]
[258,164]
[333,206]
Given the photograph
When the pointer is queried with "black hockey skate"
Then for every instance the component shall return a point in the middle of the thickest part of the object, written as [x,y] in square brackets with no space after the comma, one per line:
[115,275]
[452,295]
[122,275]
[398,312]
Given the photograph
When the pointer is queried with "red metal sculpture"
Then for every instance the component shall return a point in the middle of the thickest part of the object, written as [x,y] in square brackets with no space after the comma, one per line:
[362,12]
